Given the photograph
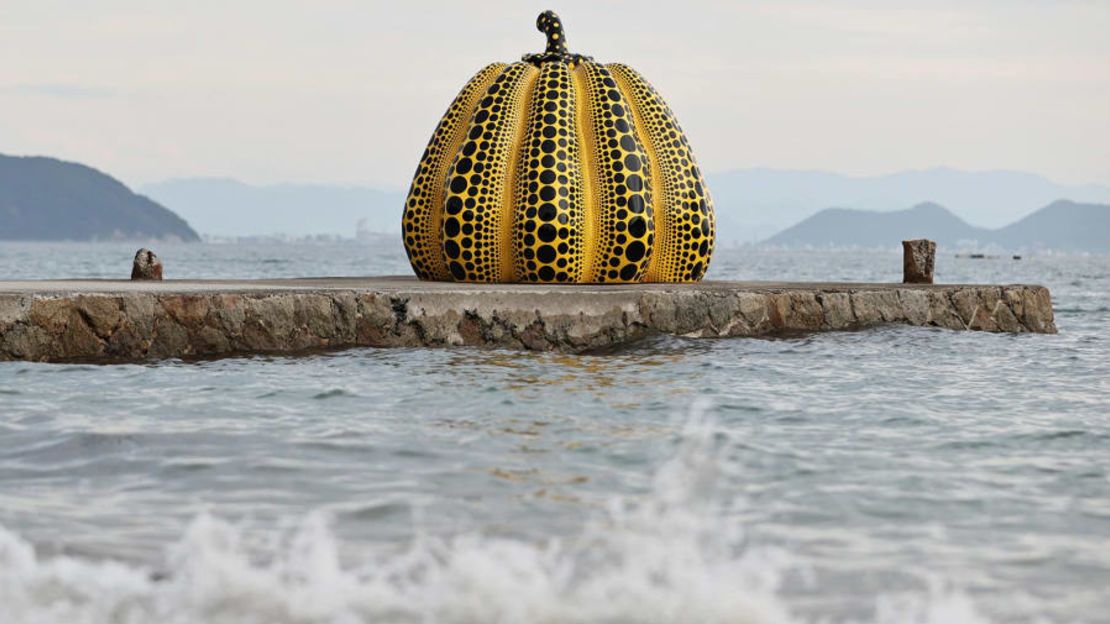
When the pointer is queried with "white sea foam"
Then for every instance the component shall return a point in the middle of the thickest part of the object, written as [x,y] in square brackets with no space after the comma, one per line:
[673,556]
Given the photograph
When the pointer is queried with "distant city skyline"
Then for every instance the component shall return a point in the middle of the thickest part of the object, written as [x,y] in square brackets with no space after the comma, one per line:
[348,93]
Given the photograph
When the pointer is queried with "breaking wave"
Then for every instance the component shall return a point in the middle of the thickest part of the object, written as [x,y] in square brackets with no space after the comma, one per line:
[673,555]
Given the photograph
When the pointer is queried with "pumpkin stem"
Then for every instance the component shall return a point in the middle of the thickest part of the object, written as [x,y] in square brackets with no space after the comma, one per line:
[549,24]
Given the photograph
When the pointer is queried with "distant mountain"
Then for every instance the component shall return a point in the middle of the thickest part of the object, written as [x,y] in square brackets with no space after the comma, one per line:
[1062,226]
[224,207]
[846,227]
[753,204]
[48,199]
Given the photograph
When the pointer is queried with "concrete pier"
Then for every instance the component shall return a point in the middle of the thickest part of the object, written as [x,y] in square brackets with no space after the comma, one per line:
[123,321]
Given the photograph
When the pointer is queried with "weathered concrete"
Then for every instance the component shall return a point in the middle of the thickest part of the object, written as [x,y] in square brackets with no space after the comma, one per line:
[131,321]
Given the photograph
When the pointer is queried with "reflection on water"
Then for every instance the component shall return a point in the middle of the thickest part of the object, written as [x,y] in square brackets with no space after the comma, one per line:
[611,379]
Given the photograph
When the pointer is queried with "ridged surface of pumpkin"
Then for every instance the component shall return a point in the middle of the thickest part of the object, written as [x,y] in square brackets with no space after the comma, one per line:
[477,221]
[550,206]
[620,200]
[685,227]
[558,169]
[424,207]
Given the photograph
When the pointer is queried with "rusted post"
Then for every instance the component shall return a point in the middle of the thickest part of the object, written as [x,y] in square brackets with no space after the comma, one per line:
[147,266]
[918,259]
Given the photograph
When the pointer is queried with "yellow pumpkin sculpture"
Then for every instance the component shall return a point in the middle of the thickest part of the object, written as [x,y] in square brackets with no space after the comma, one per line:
[558,169]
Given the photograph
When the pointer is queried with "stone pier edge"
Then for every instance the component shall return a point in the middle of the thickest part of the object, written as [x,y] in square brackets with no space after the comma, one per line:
[111,323]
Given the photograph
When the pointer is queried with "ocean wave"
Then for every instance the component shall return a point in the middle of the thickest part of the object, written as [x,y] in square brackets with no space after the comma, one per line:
[333,393]
[674,555]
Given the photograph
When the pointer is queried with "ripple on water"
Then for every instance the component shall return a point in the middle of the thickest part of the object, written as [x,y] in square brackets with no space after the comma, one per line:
[333,393]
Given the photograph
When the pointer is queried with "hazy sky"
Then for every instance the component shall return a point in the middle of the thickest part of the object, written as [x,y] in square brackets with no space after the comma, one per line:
[349,91]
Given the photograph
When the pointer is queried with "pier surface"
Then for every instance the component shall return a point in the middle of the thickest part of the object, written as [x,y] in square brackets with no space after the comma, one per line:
[126,321]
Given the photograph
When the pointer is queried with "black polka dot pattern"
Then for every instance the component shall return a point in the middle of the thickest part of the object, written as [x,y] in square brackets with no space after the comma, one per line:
[549,24]
[420,226]
[686,227]
[623,220]
[481,194]
[549,224]
[558,169]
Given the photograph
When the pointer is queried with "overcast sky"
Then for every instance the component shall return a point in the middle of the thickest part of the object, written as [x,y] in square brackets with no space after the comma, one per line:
[349,91]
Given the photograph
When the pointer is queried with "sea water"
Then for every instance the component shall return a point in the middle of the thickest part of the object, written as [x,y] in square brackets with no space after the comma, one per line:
[896,474]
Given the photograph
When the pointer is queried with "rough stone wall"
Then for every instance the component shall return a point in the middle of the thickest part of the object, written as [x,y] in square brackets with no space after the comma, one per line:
[151,325]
